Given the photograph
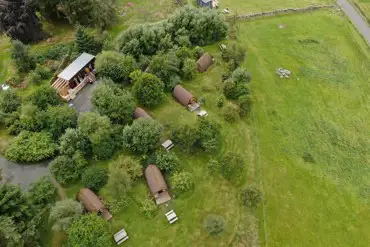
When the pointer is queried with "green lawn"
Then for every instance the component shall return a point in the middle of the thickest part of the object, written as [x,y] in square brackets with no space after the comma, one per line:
[312,130]
[252,6]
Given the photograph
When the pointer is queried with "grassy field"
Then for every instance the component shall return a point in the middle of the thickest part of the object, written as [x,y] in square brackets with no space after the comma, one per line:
[364,7]
[312,129]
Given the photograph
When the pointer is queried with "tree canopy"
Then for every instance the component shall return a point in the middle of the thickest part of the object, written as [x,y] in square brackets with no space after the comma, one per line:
[63,213]
[148,90]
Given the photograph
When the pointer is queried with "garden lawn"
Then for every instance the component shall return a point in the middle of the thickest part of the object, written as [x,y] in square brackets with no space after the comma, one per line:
[252,6]
[312,130]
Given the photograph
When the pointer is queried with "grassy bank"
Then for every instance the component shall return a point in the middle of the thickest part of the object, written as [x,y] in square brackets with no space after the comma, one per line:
[312,129]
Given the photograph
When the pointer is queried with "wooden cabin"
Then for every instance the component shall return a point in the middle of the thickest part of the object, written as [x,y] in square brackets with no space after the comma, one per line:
[77,75]
[157,185]
[185,98]
[204,62]
[92,203]
[141,113]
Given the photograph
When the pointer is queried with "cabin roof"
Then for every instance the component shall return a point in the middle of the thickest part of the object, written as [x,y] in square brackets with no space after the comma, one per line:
[76,66]
[141,113]
[155,180]
[182,95]
[204,62]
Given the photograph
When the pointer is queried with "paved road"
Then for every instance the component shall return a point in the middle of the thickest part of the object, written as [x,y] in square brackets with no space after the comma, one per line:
[358,21]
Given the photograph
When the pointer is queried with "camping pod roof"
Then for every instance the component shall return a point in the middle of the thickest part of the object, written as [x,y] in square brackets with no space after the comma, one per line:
[182,95]
[76,66]
[204,62]
[92,203]
[141,113]
[155,180]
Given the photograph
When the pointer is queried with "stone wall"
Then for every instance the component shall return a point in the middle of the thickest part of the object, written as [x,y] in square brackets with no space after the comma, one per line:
[283,11]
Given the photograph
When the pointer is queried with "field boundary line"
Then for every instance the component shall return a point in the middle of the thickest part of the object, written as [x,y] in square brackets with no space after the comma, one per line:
[253,16]
[259,174]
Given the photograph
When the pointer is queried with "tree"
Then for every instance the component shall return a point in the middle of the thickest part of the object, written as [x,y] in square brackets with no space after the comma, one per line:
[49,9]
[72,140]
[9,236]
[65,170]
[245,105]
[182,181]
[85,42]
[63,213]
[114,102]
[18,20]
[9,101]
[142,136]
[214,224]
[185,136]
[231,113]
[251,196]
[115,66]
[189,70]
[21,56]
[44,97]
[209,134]
[122,174]
[31,147]
[89,230]
[167,161]
[232,166]
[241,75]
[148,90]
[148,207]
[95,178]
[42,193]
[234,56]
[105,13]
[94,126]
[59,118]
[166,66]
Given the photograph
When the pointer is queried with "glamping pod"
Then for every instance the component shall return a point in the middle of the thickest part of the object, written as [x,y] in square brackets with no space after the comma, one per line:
[183,96]
[157,185]
[141,113]
[204,62]
[92,203]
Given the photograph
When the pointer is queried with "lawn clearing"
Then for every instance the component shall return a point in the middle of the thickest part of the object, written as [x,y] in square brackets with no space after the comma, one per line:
[312,129]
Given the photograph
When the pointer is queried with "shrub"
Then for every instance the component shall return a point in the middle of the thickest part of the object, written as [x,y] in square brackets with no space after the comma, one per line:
[231,113]
[189,70]
[115,66]
[80,163]
[245,105]
[64,169]
[167,161]
[142,136]
[213,166]
[241,75]
[209,134]
[34,78]
[198,52]
[58,51]
[42,193]
[232,166]
[220,101]
[44,97]
[63,213]
[114,102]
[214,224]
[31,147]
[148,90]
[9,101]
[182,181]
[148,208]
[185,136]
[251,196]
[95,178]
[235,56]
[57,119]
[22,58]
[72,140]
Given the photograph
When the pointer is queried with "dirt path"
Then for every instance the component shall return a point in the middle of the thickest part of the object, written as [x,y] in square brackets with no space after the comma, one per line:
[357,20]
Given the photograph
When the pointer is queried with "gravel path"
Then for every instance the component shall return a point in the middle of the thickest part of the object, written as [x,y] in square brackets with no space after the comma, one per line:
[358,21]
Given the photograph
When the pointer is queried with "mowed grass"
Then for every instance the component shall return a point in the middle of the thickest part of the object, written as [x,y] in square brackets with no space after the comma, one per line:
[252,6]
[312,130]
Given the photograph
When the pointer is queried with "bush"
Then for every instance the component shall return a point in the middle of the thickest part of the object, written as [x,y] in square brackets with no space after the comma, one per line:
[64,169]
[214,224]
[182,181]
[231,113]
[185,137]
[189,70]
[58,51]
[71,141]
[63,213]
[245,105]
[167,161]
[148,208]
[31,147]
[232,166]
[22,58]
[213,166]
[220,101]
[115,66]
[241,75]
[209,135]
[198,52]
[57,119]
[34,78]
[114,102]
[9,101]
[251,196]
[235,56]
[142,136]
[148,90]
[44,97]
[42,193]
[95,178]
